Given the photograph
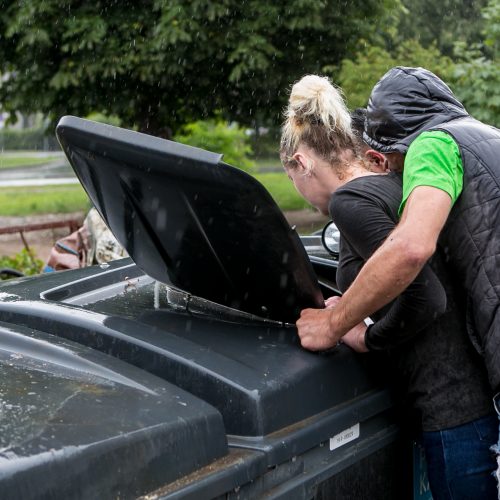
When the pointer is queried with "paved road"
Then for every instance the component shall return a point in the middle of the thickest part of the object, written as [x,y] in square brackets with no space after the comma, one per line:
[55,172]
[39,182]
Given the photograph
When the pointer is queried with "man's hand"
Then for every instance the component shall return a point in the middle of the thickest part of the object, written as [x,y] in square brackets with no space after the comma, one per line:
[397,261]
[387,272]
[315,329]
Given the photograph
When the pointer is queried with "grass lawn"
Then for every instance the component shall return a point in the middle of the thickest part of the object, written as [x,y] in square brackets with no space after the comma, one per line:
[14,160]
[22,201]
[35,200]
[282,190]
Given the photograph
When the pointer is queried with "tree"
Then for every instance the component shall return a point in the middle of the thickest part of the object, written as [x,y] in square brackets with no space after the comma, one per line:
[477,77]
[473,72]
[216,135]
[358,76]
[439,23]
[157,64]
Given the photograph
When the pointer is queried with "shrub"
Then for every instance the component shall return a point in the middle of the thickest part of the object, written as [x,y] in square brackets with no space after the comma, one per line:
[219,137]
[102,118]
[23,262]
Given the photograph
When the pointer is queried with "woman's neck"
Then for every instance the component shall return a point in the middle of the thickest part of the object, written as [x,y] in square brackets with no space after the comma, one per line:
[356,169]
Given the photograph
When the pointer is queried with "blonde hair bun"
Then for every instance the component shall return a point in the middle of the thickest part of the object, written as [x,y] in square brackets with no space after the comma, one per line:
[315,100]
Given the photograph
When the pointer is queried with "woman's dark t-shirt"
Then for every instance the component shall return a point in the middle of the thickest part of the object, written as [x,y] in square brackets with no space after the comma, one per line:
[443,376]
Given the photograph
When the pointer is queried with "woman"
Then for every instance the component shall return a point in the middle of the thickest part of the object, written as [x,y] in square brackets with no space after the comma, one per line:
[423,330]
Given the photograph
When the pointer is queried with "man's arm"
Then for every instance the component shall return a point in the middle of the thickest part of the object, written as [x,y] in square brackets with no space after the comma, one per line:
[386,274]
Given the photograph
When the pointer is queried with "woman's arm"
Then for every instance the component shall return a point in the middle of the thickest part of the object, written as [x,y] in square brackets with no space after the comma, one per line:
[386,275]
[364,226]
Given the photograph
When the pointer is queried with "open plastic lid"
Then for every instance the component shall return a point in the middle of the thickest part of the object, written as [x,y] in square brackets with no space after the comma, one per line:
[187,218]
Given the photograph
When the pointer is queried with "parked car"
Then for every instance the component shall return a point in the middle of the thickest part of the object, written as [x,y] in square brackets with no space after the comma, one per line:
[177,372]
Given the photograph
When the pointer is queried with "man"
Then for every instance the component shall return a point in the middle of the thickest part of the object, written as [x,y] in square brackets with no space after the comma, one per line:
[451,197]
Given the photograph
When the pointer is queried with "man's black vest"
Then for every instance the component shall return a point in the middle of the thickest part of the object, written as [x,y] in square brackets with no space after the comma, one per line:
[471,235]
[409,101]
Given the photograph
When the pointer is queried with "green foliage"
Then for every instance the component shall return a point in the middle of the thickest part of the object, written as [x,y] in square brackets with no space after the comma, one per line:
[491,32]
[158,64]
[477,84]
[42,200]
[282,190]
[26,139]
[102,118]
[438,36]
[358,76]
[23,261]
[474,72]
[219,137]
[477,77]
[439,23]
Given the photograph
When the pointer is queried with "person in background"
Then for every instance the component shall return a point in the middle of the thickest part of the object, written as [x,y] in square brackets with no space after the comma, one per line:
[423,330]
[92,243]
[105,246]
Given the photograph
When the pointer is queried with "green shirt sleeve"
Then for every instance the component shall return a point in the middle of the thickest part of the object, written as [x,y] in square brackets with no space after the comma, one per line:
[433,159]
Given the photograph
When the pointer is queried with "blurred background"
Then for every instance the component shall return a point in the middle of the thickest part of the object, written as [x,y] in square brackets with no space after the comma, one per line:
[213,74]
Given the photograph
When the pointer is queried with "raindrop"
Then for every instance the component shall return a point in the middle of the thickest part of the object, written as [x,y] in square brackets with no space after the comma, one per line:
[157,295]
[161,219]
[283,280]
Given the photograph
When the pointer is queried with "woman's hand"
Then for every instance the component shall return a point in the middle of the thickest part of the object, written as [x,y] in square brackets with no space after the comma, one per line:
[332,301]
[355,338]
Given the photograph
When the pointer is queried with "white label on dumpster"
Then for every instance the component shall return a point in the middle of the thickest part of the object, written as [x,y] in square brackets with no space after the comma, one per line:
[344,437]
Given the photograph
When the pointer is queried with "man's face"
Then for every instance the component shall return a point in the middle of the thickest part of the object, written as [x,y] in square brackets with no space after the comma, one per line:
[395,161]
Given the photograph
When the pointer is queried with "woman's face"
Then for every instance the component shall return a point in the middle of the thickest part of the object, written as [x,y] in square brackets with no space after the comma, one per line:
[308,180]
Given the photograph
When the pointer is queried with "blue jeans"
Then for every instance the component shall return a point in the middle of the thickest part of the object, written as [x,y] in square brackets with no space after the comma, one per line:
[496,448]
[460,462]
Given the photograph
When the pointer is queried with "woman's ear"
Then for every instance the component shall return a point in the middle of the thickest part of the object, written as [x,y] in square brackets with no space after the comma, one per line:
[377,161]
[304,163]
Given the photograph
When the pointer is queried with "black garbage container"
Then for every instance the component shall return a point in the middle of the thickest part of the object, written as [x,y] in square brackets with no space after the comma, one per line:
[178,373]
